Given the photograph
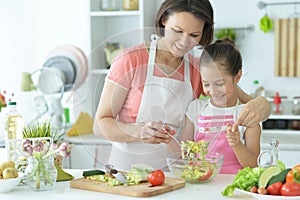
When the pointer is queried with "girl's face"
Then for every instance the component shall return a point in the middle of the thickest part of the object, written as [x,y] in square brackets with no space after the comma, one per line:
[219,85]
[183,31]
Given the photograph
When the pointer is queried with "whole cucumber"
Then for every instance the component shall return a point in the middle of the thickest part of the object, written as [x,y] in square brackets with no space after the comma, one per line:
[279,177]
[92,172]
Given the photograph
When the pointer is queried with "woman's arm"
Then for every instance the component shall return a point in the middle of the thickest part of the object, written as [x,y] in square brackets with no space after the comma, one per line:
[256,110]
[105,124]
[248,152]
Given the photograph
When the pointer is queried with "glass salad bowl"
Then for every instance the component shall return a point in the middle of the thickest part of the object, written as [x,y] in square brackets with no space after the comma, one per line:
[195,170]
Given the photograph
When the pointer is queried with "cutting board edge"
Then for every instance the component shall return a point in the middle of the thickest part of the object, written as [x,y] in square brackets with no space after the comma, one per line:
[75,184]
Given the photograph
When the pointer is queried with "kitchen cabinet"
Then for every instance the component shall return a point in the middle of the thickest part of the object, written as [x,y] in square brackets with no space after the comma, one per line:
[125,27]
[278,126]
[88,152]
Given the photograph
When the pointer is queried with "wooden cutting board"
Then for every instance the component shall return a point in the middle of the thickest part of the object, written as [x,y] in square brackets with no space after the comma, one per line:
[140,190]
[287,50]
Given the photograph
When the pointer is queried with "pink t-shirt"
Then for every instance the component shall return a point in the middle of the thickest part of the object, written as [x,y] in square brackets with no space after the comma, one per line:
[129,70]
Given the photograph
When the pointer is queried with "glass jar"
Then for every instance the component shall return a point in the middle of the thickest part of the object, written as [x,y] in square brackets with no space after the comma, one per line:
[130,4]
[110,5]
[41,174]
[296,106]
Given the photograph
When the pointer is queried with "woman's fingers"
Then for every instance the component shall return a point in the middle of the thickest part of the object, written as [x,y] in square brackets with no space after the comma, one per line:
[155,125]
[247,118]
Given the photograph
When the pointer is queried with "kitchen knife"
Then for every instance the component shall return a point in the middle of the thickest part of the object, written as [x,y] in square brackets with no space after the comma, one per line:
[118,175]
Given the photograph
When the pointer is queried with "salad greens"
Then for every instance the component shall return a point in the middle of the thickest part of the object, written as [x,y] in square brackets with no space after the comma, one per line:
[137,175]
[248,177]
[245,179]
[192,150]
[111,181]
[198,168]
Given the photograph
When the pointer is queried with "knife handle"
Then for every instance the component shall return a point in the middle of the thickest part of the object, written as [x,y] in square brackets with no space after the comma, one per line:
[111,169]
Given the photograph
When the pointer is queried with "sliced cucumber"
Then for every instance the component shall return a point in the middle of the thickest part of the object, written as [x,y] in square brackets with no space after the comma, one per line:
[92,172]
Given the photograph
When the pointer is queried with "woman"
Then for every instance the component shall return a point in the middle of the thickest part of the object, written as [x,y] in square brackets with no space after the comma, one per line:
[151,85]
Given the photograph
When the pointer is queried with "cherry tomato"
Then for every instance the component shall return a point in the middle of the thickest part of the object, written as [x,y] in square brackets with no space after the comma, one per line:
[156,177]
[275,188]
[290,189]
[207,175]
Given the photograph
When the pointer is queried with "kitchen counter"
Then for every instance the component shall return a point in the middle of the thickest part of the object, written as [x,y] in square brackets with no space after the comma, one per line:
[62,190]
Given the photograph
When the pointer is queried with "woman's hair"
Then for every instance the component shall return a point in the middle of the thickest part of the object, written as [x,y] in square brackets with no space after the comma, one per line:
[201,9]
[223,52]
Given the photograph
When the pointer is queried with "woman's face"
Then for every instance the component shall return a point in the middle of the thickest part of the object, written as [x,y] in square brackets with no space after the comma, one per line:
[219,85]
[183,31]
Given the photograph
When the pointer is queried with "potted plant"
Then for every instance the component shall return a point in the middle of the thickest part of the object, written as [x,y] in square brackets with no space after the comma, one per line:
[43,130]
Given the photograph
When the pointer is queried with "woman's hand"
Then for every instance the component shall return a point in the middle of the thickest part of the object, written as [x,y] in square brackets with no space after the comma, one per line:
[154,133]
[254,112]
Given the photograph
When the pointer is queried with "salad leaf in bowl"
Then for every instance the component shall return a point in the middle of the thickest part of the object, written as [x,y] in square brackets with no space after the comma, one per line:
[194,164]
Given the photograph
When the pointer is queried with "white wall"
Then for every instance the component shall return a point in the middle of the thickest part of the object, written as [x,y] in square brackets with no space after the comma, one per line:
[257,48]
[32,28]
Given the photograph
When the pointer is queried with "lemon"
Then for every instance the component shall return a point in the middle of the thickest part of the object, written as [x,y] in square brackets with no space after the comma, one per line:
[267,174]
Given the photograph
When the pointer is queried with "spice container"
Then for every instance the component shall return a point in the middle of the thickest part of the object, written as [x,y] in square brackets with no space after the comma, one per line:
[110,5]
[296,106]
[130,4]
[277,108]
[295,124]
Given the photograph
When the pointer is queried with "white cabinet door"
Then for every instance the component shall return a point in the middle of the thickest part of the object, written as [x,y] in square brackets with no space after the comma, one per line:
[89,156]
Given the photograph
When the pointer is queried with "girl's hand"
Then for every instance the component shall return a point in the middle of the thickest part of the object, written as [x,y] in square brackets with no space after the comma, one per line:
[233,138]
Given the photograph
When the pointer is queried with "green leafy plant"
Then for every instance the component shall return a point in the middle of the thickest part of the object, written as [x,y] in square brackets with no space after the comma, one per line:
[41,129]
[226,32]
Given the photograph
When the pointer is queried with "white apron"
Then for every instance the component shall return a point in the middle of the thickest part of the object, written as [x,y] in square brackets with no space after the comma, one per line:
[163,99]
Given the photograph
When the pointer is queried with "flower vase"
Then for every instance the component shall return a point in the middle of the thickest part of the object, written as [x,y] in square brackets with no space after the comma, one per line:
[41,174]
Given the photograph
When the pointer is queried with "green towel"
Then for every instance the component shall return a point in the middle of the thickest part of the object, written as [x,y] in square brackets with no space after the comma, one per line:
[62,175]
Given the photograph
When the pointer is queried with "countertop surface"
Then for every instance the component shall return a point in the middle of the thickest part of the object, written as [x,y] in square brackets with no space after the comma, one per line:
[62,190]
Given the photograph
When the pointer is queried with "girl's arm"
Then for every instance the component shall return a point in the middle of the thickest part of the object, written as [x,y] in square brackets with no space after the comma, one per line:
[248,152]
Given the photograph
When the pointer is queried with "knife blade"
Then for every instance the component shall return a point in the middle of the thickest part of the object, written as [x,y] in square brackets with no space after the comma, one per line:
[118,175]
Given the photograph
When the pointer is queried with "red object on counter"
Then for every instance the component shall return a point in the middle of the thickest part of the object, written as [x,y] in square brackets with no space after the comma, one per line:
[277,102]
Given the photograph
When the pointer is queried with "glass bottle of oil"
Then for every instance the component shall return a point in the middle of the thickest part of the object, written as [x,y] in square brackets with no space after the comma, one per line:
[13,127]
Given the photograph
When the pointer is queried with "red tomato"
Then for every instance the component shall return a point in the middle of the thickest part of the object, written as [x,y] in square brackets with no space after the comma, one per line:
[290,189]
[207,175]
[275,188]
[156,177]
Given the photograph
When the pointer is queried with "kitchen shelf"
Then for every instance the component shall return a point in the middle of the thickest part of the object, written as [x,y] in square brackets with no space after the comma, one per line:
[125,27]
[281,131]
[114,13]
[285,116]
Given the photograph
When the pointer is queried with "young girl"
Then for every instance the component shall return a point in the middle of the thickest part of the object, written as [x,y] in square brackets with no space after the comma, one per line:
[211,119]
